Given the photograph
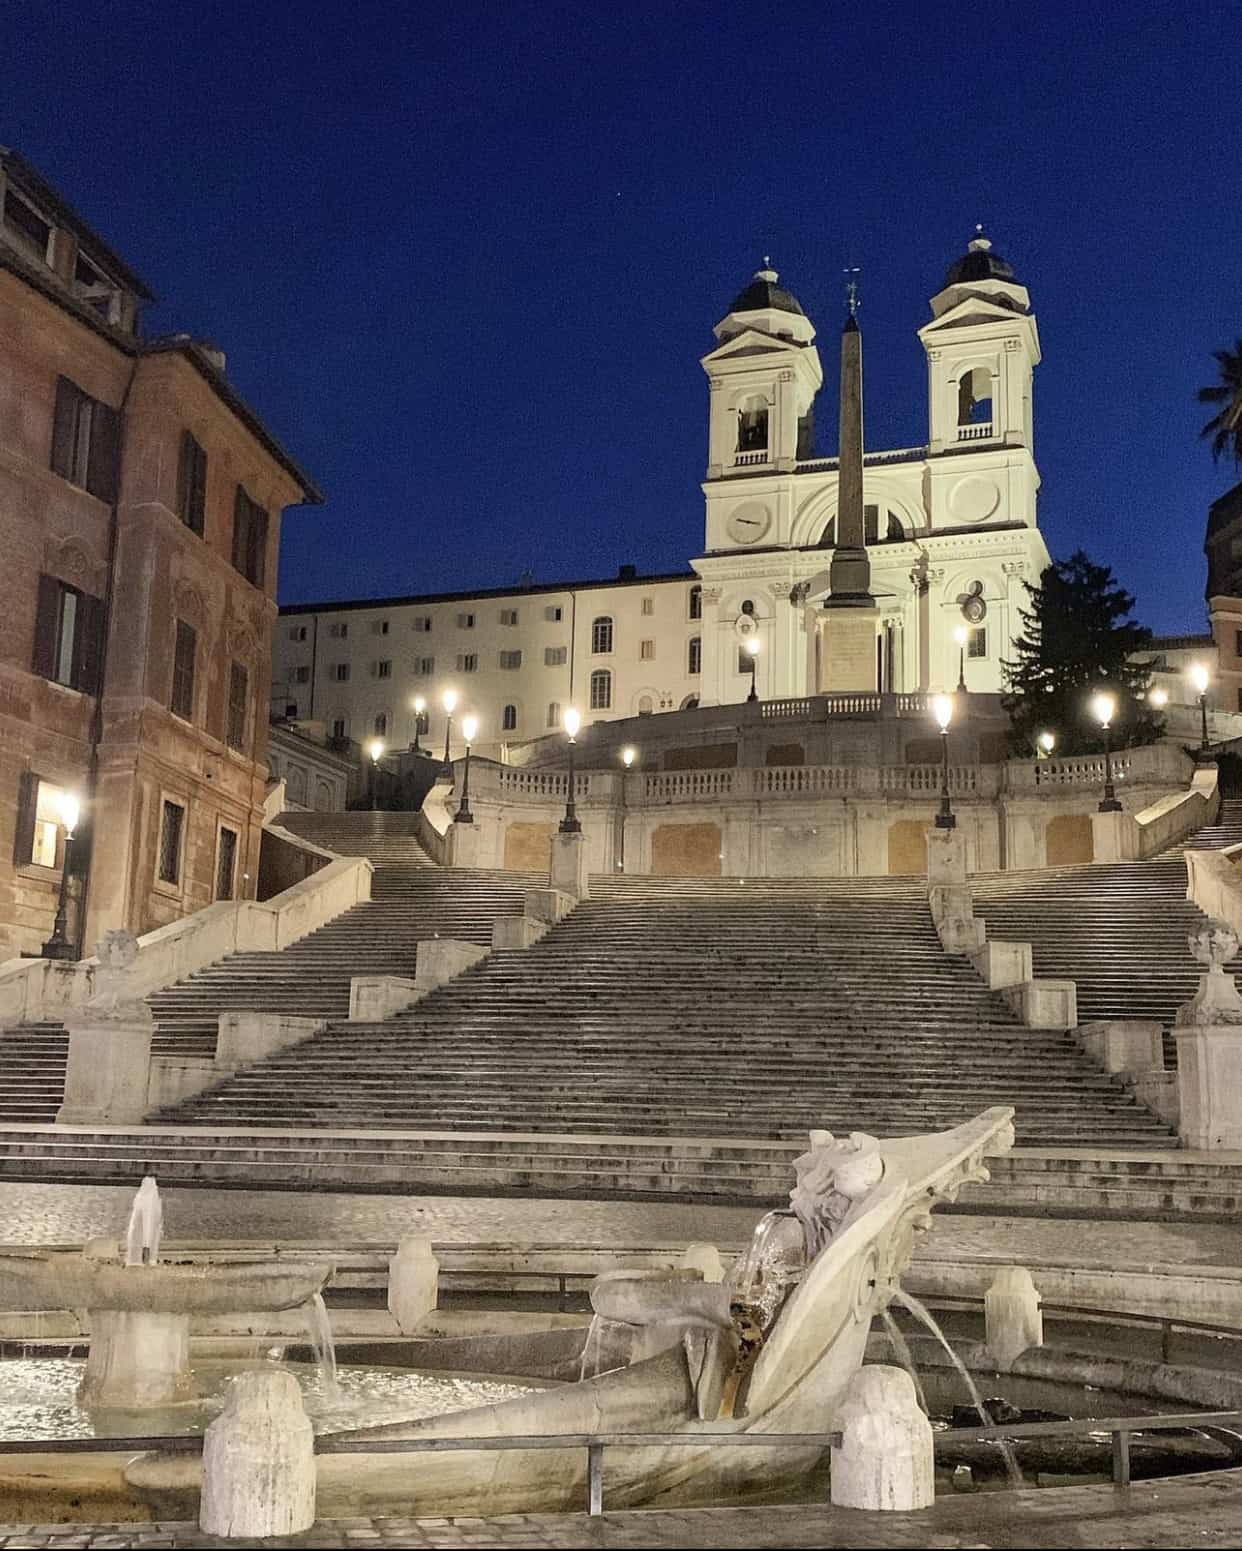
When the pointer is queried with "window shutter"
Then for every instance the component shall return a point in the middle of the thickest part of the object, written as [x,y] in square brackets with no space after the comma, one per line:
[241,512]
[257,570]
[88,645]
[63,426]
[101,466]
[23,837]
[185,477]
[47,621]
[198,491]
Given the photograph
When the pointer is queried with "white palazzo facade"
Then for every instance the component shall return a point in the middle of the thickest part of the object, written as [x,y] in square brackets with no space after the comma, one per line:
[952,531]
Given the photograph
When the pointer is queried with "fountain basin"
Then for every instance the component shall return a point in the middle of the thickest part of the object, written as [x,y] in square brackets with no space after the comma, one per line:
[71,1280]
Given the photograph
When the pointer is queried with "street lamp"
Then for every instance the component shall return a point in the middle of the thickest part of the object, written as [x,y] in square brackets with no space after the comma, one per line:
[942,710]
[375,748]
[449,701]
[1104,708]
[1158,697]
[58,945]
[420,705]
[628,755]
[1047,742]
[469,727]
[1200,678]
[571,722]
[961,635]
[752,648]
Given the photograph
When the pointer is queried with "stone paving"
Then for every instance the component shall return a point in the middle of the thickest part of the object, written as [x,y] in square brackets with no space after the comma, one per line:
[1201,1510]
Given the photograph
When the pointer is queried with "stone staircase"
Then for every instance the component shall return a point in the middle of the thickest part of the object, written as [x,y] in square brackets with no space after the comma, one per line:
[32,1063]
[707,1008]
[387,838]
[1227,830]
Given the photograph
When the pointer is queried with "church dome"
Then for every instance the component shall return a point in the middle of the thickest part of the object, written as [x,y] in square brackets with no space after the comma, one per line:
[764,295]
[979,262]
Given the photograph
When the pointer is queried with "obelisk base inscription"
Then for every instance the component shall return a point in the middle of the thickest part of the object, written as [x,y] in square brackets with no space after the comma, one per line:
[847,651]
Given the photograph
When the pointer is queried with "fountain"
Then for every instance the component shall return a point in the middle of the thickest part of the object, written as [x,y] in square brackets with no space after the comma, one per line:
[139,1308]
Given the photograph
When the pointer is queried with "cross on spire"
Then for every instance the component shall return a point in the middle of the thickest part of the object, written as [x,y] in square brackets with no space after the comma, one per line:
[851,290]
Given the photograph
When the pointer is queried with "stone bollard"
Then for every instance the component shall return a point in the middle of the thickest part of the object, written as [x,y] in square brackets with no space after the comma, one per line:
[704,1258]
[109,1067]
[1208,1031]
[259,1461]
[1013,1319]
[885,1460]
[413,1284]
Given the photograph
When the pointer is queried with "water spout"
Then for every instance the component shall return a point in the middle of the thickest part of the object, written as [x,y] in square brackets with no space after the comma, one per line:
[319,1328]
[921,1312]
[146,1225]
[901,1347]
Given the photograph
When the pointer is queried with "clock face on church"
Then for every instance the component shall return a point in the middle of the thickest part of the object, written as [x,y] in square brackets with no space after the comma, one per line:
[749,523]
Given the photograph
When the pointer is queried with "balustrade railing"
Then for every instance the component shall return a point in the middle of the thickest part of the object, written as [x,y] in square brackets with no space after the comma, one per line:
[522,782]
[796,709]
[1085,771]
[974,433]
[747,459]
[689,785]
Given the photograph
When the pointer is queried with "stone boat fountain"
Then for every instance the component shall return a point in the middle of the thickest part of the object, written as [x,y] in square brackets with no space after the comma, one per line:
[139,1308]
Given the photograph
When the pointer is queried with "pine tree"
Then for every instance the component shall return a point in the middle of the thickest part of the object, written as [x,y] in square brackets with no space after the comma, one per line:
[1078,637]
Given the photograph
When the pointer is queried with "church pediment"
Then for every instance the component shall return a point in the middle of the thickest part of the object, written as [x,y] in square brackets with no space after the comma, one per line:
[753,342]
[970,312]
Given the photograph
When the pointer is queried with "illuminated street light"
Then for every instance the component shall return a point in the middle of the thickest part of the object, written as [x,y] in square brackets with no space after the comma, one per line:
[942,710]
[571,721]
[752,648]
[1157,697]
[1104,708]
[1201,678]
[1047,742]
[469,729]
[449,701]
[58,945]
[375,748]
[420,705]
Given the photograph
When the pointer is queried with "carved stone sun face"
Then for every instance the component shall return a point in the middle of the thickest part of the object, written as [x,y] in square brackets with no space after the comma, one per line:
[1215,943]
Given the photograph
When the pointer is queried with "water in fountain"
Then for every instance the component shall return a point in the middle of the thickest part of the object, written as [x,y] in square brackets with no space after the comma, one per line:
[901,1346]
[319,1328]
[588,1368]
[146,1225]
[774,1258]
[923,1313]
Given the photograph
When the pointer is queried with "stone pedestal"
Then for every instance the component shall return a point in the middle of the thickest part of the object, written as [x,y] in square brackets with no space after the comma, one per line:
[946,858]
[463,843]
[1013,1319]
[137,1359]
[413,1284]
[108,1072]
[847,660]
[1209,1046]
[885,1460]
[1124,1045]
[568,865]
[259,1462]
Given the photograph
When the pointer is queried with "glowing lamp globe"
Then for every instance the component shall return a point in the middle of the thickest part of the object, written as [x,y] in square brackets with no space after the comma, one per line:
[942,710]
[1103,707]
[469,726]
[571,721]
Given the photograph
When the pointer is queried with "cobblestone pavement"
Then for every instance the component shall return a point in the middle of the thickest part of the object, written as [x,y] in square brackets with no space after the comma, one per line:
[1202,1510]
[66,1214]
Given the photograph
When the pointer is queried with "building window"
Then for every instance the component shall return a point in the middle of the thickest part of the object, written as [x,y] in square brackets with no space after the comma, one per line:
[339,727]
[554,613]
[338,629]
[68,643]
[424,667]
[93,287]
[554,714]
[601,690]
[752,426]
[553,656]
[1237,643]
[465,621]
[172,827]
[379,627]
[249,538]
[297,632]
[301,675]
[646,651]
[601,634]
[239,707]
[511,659]
[467,662]
[508,616]
[694,655]
[39,823]
[648,606]
[181,701]
[85,441]
[696,603]
[380,725]
[25,223]
[645,705]
[340,672]
[977,642]
[383,668]
[226,862]
[422,622]
[192,484]
[508,719]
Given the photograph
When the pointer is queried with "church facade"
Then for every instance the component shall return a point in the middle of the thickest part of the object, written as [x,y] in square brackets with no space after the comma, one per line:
[951,536]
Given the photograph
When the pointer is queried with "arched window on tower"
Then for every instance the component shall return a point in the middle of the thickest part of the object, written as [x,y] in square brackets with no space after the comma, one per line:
[752,425]
[508,719]
[601,633]
[601,690]
[696,602]
[694,656]
[974,397]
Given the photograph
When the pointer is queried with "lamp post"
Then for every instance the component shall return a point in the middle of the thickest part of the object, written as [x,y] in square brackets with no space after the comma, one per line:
[571,722]
[58,945]
[1047,742]
[449,701]
[375,748]
[420,705]
[469,727]
[961,635]
[942,710]
[1104,708]
[628,755]
[752,648]
[1200,678]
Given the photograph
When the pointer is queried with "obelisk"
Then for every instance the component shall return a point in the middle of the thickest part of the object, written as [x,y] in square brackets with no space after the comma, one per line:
[849,624]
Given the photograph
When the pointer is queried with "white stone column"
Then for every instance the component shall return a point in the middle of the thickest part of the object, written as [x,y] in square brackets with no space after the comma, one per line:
[259,1461]
[1209,1047]
[1014,1321]
[885,1459]
[413,1284]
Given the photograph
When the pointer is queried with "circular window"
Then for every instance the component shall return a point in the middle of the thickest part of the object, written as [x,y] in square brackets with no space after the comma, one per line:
[748,607]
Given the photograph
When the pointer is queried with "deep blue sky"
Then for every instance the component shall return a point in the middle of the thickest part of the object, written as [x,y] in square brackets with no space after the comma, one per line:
[465,259]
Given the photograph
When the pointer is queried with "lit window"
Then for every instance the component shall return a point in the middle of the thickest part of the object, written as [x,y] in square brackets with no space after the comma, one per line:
[601,634]
[601,689]
[44,851]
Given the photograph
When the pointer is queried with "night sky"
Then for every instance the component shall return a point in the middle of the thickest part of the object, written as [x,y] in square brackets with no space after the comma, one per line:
[464,259]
